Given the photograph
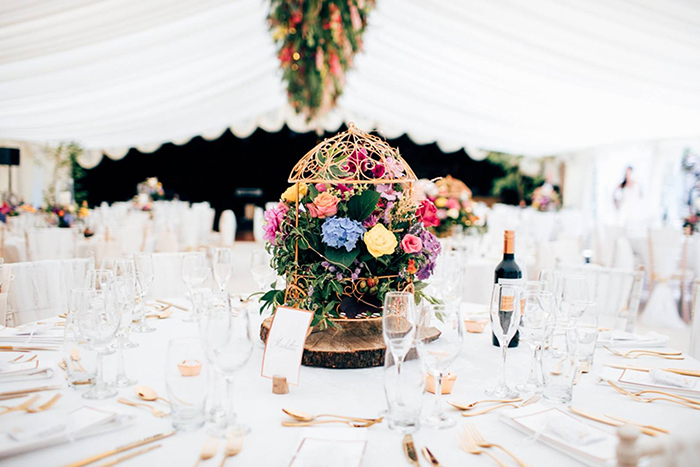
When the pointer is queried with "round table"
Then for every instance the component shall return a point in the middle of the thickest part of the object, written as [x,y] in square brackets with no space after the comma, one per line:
[357,393]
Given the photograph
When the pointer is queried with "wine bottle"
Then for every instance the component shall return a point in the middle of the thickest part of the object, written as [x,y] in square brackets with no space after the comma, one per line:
[508,272]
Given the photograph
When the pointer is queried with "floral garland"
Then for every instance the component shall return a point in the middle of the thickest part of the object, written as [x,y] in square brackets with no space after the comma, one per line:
[544,199]
[317,42]
[369,238]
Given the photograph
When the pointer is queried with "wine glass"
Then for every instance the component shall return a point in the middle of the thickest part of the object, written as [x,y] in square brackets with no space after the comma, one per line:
[98,319]
[552,284]
[399,324]
[124,267]
[574,296]
[505,319]
[194,274]
[439,352]
[223,267]
[124,289]
[99,279]
[452,277]
[226,340]
[260,268]
[145,273]
[537,314]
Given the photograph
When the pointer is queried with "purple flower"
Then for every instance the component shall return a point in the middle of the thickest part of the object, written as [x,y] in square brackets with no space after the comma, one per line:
[371,221]
[342,232]
[387,212]
[387,192]
[430,252]
[393,167]
[273,220]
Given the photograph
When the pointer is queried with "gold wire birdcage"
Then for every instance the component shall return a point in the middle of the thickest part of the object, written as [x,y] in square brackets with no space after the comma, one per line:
[451,187]
[351,157]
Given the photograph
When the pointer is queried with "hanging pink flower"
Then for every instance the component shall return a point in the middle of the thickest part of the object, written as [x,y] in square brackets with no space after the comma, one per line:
[355,18]
[427,213]
[334,63]
[319,59]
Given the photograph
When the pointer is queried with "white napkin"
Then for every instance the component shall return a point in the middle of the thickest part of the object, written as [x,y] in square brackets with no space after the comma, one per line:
[330,447]
[29,371]
[572,432]
[616,338]
[666,378]
[655,379]
[51,428]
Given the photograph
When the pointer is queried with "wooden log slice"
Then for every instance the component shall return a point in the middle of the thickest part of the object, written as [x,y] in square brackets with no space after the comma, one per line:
[357,343]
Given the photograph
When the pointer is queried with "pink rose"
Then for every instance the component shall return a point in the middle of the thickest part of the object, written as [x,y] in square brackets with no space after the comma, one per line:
[321,187]
[411,244]
[452,204]
[442,214]
[273,219]
[324,205]
[427,213]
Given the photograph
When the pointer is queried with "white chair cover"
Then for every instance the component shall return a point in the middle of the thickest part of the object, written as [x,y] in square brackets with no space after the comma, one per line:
[227,227]
[665,248]
[258,223]
[167,282]
[41,289]
[50,243]
[694,350]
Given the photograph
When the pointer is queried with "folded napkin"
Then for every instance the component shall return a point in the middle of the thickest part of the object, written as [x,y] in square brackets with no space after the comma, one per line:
[51,428]
[617,338]
[655,379]
[12,373]
[564,432]
[330,447]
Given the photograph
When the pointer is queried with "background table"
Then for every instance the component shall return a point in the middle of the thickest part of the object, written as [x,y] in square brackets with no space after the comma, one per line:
[352,392]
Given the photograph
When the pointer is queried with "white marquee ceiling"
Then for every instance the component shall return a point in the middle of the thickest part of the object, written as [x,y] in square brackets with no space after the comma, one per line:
[538,77]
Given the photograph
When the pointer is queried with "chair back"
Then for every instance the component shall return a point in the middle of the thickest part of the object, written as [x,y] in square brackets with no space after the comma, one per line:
[50,243]
[167,282]
[694,350]
[227,227]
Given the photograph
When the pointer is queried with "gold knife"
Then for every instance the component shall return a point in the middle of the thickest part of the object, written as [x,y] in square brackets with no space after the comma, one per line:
[409,448]
[126,447]
[430,457]
[595,418]
[678,371]
[131,455]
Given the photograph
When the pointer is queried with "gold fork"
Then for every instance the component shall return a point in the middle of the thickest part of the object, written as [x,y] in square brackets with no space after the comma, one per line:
[482,443]
[45,406]
[21,359]
[460,406]
[156,412]
[653,391]
[652,399]
[22,406]
[466,443]
[632,354]
[529,401]
[322,422]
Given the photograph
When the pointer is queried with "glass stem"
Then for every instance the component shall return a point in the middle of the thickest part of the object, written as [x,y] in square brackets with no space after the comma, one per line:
[99,383]
[142,306]
[230,412]
[533,380]
[502,381]
[437,411]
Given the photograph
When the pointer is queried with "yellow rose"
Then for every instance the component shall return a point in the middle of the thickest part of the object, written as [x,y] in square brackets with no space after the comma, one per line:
[453,213]
[290,195]
[441,202]
[380,241]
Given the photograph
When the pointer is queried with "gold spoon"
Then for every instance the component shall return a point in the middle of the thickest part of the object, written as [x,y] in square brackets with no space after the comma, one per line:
[234,445]
[45,406]
[162,314]
[460,406]
[305,417]
[149,394]
[209,448]
[75,356]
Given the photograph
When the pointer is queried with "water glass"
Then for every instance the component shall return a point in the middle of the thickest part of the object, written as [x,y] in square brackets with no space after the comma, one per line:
[98,319]
[226,340]
[587,333]
[261,270]
[98,279]
[551,279]
[145,274]
[123,288]
[78,357]
[223,267]
[194,273]
[200,300]
[537,315]
[574,296]
[399,324]
[505,320]
[186,370]
[438,352]
[404,388]
[559,362]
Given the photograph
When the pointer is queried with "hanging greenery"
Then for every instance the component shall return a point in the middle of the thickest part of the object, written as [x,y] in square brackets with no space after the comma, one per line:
[317,42]
[65,159]
[514,187]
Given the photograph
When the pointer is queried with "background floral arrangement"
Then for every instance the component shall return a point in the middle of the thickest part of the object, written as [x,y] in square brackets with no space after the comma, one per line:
[369,238]
[317,42]
[152,187]
[545,199]
[12,210]
[65,215]
[452,203]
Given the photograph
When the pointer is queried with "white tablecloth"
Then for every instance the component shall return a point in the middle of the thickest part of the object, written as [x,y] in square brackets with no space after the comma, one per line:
[352,392]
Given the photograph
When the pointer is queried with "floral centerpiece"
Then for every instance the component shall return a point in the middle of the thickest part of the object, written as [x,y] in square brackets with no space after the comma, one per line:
[348,230]
[452,206]
[545,198]
[151,187]
[13,210]
[65,215]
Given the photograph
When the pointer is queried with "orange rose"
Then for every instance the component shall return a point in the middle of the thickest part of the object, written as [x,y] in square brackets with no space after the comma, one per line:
[324,205]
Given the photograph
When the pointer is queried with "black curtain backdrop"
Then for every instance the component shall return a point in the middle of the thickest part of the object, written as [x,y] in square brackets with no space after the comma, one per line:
[225,170]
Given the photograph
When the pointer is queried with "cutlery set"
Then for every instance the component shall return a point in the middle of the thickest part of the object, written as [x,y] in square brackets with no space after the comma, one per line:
[28,405]
[684,401]
[472,441]
[649,430]
[149,395]
[636,353]
[234,445]
[126,447]
[409,449]
[500,403]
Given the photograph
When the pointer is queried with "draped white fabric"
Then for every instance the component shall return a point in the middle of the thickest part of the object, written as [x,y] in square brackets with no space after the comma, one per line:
[538,77]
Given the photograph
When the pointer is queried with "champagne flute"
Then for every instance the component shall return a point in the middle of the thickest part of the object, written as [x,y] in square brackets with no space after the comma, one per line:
[399,324]
[552,284]
[260,268]
[145,273]
[99,279]
[574,296]
[537,315]
[223,267]
[194,273]
[505,319]
[439,353]
[123,267]
[98,319]
[226,340]
[123,292]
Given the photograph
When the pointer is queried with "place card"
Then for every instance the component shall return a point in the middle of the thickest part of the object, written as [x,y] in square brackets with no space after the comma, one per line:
[313,452]
[285,343]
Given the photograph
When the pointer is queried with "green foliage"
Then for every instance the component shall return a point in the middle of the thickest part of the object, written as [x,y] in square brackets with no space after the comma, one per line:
[513,184]
[361,206]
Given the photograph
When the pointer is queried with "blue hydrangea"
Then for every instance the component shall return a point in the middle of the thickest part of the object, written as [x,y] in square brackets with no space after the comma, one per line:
[342,232]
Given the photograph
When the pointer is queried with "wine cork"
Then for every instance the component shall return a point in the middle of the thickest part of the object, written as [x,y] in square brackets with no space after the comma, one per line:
[279,385]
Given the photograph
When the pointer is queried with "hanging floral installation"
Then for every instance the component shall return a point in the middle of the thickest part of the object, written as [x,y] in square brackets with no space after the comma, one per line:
[317,42]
